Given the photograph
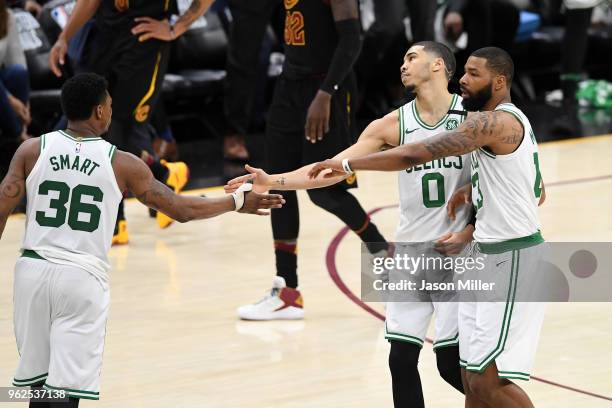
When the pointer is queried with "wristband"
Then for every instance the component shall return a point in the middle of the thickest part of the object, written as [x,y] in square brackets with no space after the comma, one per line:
[239,195]
[346,167]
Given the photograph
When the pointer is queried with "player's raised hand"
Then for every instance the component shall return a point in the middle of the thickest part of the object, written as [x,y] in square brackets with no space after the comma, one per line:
[148,28]
[317,119]
[461,196]
[57,56]
[255,203]
[257,176]
[330,164]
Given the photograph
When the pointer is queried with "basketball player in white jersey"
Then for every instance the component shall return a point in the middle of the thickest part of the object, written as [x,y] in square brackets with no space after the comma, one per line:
[74,182]
[424,190]
[497,340]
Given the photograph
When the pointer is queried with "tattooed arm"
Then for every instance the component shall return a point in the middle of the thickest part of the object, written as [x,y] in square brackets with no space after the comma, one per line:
[501,132]
[13,186]
[133,174]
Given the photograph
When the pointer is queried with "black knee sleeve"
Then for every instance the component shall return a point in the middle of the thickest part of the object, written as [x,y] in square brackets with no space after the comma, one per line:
[403,363]
[447,359]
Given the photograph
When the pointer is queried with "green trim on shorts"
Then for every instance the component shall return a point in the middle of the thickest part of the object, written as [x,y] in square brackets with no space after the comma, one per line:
[29,381]
[75,393]
[402,337]
[28,253]
[446,342]
[503,336]
[515,375]
[511,244]
[462,363]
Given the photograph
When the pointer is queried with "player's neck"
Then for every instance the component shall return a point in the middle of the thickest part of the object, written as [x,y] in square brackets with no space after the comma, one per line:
[81,129]
[497,100]
[433,100]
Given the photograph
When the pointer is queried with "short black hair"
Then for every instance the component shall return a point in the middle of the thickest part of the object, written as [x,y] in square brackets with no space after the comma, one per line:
[441,51]
[81,94]
[498,61]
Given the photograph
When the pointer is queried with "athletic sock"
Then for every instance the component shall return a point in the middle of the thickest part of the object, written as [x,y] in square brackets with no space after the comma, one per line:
[286,261]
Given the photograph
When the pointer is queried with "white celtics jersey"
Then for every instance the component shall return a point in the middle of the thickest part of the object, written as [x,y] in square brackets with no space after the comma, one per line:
[506,189]
[73,199]
[424,189]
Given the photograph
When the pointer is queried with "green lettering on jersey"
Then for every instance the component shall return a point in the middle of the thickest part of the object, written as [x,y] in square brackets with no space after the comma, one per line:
[95,166]
[77,206]
[85,166]
[75,163]
[64,162]
[54,164]
[459,163]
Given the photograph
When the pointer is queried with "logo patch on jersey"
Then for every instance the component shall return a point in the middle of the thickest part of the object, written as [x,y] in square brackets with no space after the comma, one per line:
[452,124]
[410,131]
[77,149]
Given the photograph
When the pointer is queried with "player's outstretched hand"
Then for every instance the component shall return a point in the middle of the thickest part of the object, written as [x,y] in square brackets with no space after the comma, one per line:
[317,119]
[330,164]
[255,203]
[461,196]
[258,177]
[57,56]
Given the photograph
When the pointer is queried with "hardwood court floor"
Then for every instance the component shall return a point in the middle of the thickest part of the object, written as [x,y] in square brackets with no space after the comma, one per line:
[173,339]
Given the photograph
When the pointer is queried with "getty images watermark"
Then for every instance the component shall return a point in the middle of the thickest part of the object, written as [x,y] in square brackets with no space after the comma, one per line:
[530,271]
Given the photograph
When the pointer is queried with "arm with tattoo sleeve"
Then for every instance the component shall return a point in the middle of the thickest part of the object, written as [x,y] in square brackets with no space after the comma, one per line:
[494,129]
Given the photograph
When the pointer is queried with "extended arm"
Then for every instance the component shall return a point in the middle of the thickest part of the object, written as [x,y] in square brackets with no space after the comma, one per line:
[379,133]
[495,129]
[140,181]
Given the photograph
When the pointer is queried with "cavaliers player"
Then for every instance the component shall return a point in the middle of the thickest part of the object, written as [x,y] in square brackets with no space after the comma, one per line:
[311,117]
[131,49]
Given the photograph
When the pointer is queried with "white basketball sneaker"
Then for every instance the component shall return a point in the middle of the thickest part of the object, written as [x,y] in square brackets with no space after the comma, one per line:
[282,303]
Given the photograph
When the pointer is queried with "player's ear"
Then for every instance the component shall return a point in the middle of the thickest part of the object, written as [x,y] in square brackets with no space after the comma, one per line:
[437,65]
[99,111]
[500,82]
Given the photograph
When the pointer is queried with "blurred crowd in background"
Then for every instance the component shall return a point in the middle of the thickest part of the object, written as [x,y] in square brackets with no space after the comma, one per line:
[222,71]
